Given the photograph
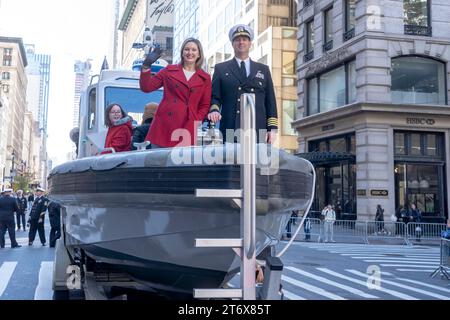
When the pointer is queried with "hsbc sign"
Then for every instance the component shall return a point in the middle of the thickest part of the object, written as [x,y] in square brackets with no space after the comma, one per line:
[421,121]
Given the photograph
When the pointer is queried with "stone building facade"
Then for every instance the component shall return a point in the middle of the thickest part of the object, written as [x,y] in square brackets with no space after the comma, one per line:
[372,111]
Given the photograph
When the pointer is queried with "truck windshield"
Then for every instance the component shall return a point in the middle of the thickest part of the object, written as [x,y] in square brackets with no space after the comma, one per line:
[132,100]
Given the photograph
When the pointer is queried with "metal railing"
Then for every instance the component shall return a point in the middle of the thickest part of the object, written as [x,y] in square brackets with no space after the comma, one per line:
[418,232]
[444,263]
[308,56]
[349,34]
[366,232]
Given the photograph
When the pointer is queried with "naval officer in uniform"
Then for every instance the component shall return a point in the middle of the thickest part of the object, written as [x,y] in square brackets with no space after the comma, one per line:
[37,217]
[8,206]
[238,76]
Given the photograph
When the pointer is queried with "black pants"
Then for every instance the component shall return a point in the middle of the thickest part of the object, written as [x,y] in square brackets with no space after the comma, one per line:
[20,217]
[8,224]
[35,226]
[55,234]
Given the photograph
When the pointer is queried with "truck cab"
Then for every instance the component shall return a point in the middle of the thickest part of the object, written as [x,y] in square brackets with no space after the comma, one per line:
[113,86]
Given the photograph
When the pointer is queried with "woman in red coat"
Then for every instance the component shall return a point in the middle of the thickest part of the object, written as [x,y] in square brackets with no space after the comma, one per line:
[186,100]
[120,129]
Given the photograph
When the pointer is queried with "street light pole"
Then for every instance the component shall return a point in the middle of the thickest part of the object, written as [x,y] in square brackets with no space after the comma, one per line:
[12,167]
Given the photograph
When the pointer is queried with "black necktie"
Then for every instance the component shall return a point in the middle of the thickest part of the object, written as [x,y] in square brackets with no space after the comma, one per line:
[243,70]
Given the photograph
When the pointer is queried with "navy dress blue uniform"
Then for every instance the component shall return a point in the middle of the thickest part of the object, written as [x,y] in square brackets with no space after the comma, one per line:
[230,82]
[8,206]
[54,215]
[22,203]
[37,218]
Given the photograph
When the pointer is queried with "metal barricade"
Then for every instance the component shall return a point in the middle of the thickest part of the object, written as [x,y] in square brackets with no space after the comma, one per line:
[424,232]
[444,263]
[343,231]
[310,231]
[386,231]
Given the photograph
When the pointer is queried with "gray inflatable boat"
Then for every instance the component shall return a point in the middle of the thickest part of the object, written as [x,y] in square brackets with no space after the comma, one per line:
[137,213]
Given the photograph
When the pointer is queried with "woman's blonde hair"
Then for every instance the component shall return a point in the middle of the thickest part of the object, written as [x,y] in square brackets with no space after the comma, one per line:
[201,59]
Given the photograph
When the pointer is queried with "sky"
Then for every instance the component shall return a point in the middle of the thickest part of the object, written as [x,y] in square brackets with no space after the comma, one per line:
[68,30]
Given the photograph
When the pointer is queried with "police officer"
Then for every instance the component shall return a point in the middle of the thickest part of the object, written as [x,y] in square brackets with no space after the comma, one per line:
[238,76]
[8,206]
[37,217]
[54,215]
[22,203]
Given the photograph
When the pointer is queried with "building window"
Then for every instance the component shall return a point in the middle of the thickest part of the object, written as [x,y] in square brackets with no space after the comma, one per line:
[417,80]
[332,89]
[288,117]
[5,88]
[7,61]
[350,21]
[419,171]
[309,40]
[313,94]
[328,29]
[6,76]
[400,145]
[416,17]
[7,51]
[289,62]
[418,144]
[169,43]
[289,82]
[289,34]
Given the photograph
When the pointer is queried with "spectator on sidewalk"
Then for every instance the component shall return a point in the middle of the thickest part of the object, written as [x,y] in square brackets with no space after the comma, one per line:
[379,218]
[307,229]
[416,217]
[292,221]
[329,216]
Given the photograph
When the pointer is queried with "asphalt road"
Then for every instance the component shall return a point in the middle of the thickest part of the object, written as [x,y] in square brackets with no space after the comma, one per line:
[312,271]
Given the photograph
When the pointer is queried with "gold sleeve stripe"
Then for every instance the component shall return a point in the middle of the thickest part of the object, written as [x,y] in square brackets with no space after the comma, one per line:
[215,107]
[272,122]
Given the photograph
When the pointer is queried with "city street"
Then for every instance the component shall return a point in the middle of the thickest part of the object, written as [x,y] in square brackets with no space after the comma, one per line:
[312,272]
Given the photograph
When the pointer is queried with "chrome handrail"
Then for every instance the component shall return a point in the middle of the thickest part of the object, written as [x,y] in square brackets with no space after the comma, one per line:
[248,185]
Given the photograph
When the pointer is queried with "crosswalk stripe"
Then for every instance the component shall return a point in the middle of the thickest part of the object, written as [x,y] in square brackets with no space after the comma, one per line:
[397,258]
[425,284]
[431,255]
[292,296]
[392,283]
[408,265]
[368,250]
[400,261]
[311,288]
[332,283]
[415,270]
[6,272]
[388,291]
[44,289]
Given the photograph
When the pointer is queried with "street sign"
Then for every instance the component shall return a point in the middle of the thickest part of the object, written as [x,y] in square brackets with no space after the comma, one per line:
[379,193]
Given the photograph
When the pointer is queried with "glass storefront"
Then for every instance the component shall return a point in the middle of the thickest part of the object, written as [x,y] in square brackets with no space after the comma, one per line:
[334,160]
[420,173]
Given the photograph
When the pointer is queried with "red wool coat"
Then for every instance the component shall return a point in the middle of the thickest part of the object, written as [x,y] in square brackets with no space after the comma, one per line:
[119,138]
[184,102]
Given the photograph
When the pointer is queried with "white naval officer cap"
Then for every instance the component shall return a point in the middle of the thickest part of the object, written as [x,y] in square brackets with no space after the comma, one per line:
[40,189]
[241,30]
[8,190]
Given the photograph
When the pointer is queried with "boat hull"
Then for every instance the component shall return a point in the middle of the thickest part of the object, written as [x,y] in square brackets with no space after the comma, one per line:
[143,219]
